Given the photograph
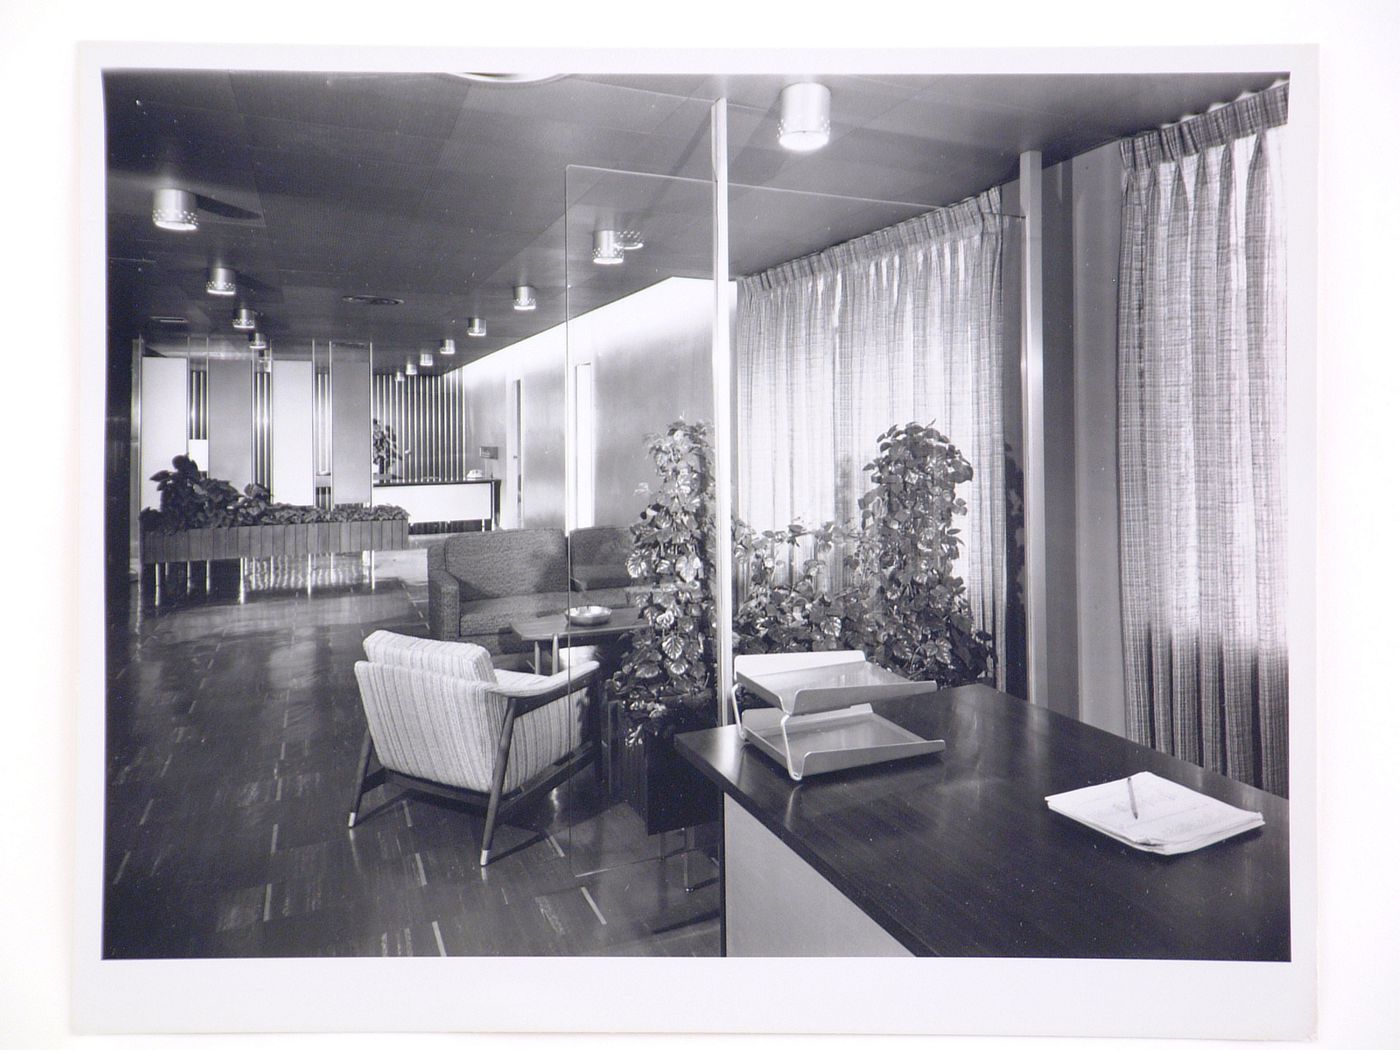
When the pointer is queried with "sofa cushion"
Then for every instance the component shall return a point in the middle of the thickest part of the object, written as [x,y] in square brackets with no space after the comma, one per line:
[487,621]
[506,562]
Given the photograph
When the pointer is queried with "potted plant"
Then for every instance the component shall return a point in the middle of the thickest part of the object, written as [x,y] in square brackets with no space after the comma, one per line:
[905,607]
[916,619]
[665,683]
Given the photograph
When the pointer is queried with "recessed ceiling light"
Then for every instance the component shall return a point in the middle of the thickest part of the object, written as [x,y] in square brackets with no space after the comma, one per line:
[524,297]
[805,123]
[159,319]
[607,251]
[174,209]
[447,347]
[245,320]
[476,327]
[222,281]
[372,300]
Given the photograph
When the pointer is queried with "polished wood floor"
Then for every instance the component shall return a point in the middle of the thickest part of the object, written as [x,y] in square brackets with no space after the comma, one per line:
[232,737]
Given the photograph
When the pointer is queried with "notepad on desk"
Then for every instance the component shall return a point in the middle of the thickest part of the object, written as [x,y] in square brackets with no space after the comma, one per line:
[1151,813]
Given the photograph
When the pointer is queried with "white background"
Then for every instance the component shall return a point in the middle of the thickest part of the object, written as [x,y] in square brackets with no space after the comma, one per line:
[1358,867]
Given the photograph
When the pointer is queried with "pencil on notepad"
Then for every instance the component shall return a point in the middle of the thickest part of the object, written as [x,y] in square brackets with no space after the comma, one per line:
[1132,798]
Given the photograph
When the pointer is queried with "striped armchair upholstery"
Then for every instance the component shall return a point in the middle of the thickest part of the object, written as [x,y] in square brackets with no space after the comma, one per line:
[441,719]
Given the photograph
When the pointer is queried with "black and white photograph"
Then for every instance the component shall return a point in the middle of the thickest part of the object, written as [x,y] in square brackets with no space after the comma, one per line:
[617,541]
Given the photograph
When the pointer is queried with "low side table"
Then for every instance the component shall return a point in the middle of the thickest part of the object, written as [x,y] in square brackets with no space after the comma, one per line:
[538,630]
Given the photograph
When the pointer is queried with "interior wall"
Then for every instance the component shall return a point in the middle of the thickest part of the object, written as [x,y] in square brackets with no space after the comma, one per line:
[486,386]
[164,419]
[651,357]
[651,366]
[293,433]
[351,438]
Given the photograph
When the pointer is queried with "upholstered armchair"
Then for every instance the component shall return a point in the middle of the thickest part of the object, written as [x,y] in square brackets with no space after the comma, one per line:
[441,719]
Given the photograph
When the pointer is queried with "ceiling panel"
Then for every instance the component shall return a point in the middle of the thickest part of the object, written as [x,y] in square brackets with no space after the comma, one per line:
[446,192]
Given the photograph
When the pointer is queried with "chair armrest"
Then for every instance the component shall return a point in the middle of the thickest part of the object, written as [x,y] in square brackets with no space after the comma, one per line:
[444,605]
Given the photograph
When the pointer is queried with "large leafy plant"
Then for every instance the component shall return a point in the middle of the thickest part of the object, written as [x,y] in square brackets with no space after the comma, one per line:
[666,680]
[916,617]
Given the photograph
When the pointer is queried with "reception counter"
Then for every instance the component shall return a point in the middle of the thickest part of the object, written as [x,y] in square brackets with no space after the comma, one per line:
[956,854]
[444,501]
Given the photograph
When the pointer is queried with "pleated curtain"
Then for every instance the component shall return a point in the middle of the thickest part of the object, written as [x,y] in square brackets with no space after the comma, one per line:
[901,325]
[1202,342]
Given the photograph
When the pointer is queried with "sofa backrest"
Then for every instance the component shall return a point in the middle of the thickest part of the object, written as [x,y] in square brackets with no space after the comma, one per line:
[598,555]
[505,562]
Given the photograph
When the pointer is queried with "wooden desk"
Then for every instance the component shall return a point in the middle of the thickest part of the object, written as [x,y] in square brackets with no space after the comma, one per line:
[957,854]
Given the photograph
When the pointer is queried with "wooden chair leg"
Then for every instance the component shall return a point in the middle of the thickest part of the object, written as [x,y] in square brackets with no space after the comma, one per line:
[366,749]
[498,779]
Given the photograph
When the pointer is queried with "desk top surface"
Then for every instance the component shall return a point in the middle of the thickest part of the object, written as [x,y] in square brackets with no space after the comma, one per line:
[956,854]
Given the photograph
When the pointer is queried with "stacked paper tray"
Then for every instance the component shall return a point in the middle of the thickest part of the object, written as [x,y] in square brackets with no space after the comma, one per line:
[821,720]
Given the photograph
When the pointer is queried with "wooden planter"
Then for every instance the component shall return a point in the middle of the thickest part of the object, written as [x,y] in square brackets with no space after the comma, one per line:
[665,790]
[273,541]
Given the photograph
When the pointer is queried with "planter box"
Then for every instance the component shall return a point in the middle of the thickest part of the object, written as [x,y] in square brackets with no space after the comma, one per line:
[272,541]
[665,790]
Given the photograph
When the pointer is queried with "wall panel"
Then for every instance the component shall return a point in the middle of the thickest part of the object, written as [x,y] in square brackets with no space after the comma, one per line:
[351,445]
[293,433]
[231,419]
[164,420]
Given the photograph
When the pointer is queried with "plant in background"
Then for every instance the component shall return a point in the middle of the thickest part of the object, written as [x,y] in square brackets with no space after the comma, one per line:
[785,605]
[190,500]
[665,683]
[917,620]
[385,447]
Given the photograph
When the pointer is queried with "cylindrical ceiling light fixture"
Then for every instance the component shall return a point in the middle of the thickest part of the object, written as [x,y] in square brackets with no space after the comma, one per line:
[425,360]
[476,327]
[524,297]
[805,123]
[245,320]
[174,209]
[257,342]
[447,347]
[222,281]
[607,250]
[410,369]
[398,377]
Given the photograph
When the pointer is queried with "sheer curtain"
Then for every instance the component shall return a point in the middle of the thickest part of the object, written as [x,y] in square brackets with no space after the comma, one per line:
[1201,440]
[901,325]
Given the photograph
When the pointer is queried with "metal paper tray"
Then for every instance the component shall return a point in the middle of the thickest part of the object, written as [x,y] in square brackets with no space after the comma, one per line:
[830,687]
[823,743]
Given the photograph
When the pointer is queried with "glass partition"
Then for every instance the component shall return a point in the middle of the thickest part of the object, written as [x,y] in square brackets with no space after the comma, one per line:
[639,495]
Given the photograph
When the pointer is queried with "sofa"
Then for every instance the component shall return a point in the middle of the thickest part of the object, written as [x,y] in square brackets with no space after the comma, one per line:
[481,582]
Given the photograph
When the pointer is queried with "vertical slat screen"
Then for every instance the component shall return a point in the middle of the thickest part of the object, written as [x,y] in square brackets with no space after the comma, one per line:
[427,416]
[262,428]
[199,405]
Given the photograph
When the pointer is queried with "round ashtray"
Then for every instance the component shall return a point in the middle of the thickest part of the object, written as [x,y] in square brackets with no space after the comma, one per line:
[589,615]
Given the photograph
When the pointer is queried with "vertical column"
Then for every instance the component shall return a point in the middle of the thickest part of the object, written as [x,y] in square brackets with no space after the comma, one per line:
[1033,428]
[721,366]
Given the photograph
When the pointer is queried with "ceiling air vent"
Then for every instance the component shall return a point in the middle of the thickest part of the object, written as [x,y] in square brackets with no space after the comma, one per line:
[372,300]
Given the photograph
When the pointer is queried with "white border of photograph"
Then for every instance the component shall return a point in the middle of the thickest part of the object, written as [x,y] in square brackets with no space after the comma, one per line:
[948,996]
